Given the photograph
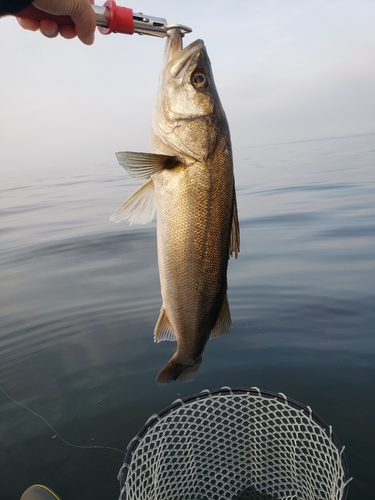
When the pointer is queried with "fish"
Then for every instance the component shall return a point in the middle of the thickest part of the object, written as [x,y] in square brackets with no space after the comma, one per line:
[190,184]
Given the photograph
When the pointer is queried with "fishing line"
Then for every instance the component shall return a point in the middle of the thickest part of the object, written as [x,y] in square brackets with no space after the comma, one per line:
[82,447]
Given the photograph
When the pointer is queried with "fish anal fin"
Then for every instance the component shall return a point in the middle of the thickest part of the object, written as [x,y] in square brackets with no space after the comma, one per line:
[163,329]
[224,321]
[234,242]
[143,165]
[139,208]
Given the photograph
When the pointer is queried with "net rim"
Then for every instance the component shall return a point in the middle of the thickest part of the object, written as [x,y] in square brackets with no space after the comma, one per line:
[262,393]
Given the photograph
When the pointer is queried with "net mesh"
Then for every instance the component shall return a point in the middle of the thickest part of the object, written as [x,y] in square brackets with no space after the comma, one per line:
[236,444]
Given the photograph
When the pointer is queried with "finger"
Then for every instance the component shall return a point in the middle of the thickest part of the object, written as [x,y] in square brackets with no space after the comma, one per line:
[86,37]
[28,24]
[68,32]
[79,10]
[49,28]
[85,21]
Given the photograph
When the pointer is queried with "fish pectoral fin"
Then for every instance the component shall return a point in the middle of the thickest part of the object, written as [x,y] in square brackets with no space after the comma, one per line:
[163,329]
[224,321]
[139,208]
[234,242]
[143,165]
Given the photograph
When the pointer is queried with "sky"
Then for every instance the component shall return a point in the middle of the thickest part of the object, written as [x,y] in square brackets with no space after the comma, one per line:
[286,70]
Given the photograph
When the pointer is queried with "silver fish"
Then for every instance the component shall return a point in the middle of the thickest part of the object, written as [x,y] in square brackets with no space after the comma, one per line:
[191,186]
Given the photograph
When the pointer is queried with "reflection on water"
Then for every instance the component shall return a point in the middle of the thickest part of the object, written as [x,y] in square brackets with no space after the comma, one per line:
[80,297]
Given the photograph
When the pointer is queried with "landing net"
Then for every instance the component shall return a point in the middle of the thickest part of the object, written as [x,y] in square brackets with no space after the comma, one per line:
[235,444]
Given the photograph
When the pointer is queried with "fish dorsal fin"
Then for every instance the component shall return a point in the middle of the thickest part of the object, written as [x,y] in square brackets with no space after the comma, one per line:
[143,165]
[163,329]
[234,242]
[139,208]
[224,321]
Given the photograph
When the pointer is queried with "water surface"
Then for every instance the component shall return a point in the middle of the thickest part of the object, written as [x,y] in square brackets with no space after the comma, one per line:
[80,297]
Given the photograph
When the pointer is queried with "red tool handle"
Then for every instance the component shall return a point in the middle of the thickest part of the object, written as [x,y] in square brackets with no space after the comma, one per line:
[120,19]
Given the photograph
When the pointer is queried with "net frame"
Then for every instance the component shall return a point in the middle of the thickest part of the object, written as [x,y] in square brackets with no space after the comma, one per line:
[135,468]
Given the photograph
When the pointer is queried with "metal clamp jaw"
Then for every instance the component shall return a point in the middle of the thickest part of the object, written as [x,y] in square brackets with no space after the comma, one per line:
[155,26]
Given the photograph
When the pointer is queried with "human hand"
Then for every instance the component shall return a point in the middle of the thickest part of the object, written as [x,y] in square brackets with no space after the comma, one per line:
[79,10]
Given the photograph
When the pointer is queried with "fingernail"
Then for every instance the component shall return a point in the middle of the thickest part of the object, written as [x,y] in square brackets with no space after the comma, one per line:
[50,32]
[91,39]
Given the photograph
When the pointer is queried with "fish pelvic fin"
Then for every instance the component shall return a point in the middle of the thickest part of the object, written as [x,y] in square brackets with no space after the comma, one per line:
[143,165]
[175,370]
[163,329]
[139,208]
[224,321]
[234,242]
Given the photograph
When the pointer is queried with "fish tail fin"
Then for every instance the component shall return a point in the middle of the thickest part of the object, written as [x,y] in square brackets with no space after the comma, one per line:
[175,370]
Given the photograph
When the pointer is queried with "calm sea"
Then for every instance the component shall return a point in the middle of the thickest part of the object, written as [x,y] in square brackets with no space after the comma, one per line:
[80,297]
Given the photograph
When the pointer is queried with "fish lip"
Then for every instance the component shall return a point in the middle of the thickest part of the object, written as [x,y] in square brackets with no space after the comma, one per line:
[179,60]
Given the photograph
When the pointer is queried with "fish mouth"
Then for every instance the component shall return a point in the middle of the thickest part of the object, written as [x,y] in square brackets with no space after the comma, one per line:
[179,57]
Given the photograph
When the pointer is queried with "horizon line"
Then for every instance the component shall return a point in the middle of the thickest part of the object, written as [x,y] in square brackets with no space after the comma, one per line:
[306,140]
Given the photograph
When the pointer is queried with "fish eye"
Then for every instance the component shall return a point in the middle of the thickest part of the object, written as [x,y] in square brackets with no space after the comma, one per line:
[200,80]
